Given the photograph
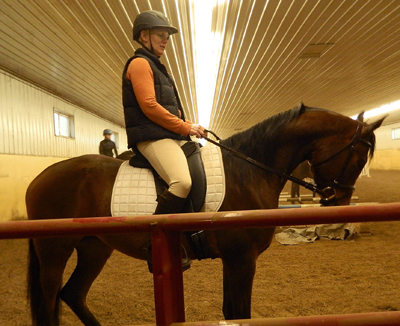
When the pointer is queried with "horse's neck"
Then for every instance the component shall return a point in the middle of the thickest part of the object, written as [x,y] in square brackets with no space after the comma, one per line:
[283,153]
[247,186]
[262,188]
[250,187]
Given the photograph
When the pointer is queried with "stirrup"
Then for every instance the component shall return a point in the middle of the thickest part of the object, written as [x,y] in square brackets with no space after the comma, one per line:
[199,244]
[186,261]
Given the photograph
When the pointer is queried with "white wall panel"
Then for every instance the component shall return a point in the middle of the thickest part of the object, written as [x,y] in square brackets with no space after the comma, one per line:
[384,137]
[27,126]
[5,113]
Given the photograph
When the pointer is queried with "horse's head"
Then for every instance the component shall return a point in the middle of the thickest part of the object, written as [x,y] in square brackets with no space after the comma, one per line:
[339,159]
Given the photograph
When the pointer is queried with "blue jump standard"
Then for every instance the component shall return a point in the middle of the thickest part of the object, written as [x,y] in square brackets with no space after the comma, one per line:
[315,205]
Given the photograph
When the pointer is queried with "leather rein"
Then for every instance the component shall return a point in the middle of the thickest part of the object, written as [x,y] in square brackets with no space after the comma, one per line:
[328,194]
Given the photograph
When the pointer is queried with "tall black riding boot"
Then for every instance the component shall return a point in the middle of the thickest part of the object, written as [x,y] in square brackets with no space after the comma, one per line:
[168,203]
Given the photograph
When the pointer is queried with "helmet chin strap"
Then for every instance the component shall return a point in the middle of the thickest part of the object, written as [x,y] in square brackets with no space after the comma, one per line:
[151,50]
[151,43]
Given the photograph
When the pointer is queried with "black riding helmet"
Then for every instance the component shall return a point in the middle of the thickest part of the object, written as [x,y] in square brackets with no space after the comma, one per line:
[151,19]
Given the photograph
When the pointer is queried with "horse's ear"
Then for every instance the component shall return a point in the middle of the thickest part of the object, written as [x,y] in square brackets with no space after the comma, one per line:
[301,107]
[375,125]
[361,117]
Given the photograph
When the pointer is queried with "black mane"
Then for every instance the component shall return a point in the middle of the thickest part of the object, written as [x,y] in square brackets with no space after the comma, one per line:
[265,133]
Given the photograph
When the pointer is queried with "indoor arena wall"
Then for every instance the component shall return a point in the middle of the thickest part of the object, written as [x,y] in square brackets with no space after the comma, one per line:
[28,140]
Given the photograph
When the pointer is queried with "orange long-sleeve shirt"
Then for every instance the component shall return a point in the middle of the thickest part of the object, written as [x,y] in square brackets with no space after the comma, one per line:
[141,76]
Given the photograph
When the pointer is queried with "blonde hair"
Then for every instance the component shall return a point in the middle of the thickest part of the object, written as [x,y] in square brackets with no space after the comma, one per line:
[141,41]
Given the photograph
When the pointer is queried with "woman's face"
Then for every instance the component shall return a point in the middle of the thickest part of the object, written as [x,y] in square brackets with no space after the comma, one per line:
[159,40]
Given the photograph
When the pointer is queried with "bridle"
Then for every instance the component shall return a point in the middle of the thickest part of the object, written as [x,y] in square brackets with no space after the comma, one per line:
[328,194]
[337,184]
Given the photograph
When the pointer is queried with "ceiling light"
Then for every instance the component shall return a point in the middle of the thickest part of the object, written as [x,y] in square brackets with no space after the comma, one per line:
[381,110]
[207,54]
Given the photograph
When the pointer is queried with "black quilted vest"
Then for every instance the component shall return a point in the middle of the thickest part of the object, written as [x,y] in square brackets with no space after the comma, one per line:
[139,128]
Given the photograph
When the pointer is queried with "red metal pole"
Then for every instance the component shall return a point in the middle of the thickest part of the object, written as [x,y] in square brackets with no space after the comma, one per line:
[200,221]
[167,276]
[367,319]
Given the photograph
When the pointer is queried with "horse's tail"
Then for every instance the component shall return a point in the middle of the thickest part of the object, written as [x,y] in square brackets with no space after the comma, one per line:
[35,292]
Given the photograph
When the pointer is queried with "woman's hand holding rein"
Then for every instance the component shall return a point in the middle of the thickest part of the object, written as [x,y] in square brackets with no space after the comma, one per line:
[197,130]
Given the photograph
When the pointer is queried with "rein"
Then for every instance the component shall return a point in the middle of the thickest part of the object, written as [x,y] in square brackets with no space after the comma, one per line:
[325,198]
[305,184]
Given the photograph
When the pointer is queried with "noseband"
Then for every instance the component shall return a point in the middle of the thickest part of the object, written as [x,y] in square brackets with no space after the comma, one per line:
[328,194]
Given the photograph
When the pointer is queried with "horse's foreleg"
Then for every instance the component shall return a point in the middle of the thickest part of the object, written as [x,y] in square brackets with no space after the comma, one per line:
[238,282]
[92,256]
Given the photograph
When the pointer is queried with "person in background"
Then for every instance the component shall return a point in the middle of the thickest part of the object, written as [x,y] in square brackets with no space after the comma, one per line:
[107,145]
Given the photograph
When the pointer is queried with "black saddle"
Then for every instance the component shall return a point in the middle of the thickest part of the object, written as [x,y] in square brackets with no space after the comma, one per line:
[197,194]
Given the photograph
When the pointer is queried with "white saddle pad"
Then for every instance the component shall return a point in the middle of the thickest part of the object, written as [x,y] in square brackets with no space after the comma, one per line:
[134,191]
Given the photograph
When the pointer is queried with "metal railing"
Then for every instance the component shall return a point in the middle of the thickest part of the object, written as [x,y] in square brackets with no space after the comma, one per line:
[165,231]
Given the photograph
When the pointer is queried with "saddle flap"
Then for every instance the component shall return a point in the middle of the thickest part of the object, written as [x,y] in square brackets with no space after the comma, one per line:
[199,180]
[190,147]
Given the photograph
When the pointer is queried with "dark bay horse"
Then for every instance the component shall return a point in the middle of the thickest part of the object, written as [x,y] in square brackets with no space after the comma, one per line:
[336,146]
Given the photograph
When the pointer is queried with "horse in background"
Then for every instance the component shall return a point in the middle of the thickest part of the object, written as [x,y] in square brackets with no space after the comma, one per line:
[303,171]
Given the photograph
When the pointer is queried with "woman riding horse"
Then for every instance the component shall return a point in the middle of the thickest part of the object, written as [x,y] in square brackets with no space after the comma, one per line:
[155,122]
